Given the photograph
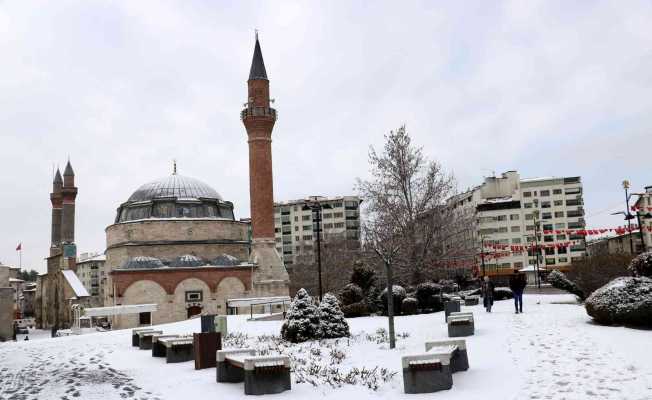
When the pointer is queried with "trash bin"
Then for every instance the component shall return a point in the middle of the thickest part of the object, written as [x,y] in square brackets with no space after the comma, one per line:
[206,346]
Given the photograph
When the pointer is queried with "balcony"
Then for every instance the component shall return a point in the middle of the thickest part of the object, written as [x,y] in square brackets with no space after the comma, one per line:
[258,112]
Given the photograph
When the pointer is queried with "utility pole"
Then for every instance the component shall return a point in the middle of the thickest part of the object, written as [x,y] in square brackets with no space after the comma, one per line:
[628,216]
[537,278]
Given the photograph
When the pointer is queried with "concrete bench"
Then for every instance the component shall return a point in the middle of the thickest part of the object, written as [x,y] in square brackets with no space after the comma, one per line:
[178,349]
[460,324]
[451,306]
[471,300]
[135,339]
[432,371]
[158,348]
[145,339]
[260,374]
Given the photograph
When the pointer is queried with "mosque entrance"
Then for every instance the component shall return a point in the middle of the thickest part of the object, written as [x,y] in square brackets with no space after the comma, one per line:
[194,310]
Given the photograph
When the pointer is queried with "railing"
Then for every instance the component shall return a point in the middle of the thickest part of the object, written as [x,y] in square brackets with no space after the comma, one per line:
[258,112]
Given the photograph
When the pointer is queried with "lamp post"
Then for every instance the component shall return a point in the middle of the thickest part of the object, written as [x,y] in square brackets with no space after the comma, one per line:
[537,277]
[628,216]
[313,204]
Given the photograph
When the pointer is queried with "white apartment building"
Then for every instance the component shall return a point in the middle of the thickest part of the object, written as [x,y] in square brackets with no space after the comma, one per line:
[92,274]
[295,229]
[510,210]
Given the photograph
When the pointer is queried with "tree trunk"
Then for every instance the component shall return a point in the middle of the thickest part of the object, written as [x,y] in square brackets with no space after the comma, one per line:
[390,304]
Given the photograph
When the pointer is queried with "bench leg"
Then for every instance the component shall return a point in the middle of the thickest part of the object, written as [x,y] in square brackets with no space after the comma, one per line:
[460,361]
[427,381]
[229,373]
[134,340]
[267,382]
[158,350]
[145,343]
[460,330]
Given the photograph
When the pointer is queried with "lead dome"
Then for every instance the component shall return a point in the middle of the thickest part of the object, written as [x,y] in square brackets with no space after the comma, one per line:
[174,196]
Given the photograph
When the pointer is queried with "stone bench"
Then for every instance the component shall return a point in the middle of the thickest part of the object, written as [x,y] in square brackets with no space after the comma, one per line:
[260,374]
[178,349]
[451,306]
[432,371]
[145,339]
[135,339]
[471,300]
[158,348]
[460,324]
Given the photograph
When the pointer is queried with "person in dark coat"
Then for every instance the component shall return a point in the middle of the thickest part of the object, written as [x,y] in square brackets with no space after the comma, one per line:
[517,283]
[488,293]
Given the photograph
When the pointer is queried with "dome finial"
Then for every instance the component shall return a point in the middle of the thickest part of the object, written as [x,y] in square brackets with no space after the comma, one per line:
[174,167]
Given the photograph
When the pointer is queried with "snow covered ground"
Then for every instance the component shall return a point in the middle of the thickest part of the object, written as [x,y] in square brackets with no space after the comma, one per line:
[552,351]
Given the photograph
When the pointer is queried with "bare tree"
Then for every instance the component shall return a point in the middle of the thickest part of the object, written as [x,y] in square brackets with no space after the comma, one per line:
[408,195]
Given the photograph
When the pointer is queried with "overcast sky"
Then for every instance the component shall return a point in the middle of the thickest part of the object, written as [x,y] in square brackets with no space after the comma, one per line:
[546,88]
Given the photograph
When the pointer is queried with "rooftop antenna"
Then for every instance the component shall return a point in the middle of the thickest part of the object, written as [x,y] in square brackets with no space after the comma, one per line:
[174,167]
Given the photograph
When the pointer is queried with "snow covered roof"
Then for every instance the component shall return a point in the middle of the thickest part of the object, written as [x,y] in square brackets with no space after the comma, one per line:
[120,310]
[75,283]
[541,178]
[243,302]
[98,257]
[14,280]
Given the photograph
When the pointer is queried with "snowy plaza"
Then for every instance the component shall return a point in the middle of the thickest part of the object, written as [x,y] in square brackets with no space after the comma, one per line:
[551,351]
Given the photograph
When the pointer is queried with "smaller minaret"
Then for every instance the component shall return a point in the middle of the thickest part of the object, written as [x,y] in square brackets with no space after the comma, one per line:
[69,193]
[57,204]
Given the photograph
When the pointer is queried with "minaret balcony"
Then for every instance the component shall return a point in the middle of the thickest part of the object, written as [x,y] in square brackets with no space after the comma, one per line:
[258,112]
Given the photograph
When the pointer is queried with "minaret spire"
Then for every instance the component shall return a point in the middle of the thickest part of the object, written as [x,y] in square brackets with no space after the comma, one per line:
[257,70]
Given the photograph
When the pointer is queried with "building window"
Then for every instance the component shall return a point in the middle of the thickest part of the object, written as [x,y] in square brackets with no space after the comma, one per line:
[338,215]
[529,216]
[306,217]
[527,194]
[529,228]
[556,191]
[145,318]
[194,296]
[307,227]
[296,238]
[546,215]
[296,228]
[337,205]
[548,238]
[339,225]
[545,204]
[558,203]
[561,237]
[550,261]
[545,193]
[559,214]
[296,218]
[527,205]
[514,217]
[329,215]
[516,240]
[328,226]
[516,228]
[307,237]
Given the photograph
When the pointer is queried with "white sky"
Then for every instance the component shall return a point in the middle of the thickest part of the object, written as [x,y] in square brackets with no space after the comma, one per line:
[546,88]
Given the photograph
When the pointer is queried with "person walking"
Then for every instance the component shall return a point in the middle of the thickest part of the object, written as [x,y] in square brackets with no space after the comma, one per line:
[517,283]
[488,293]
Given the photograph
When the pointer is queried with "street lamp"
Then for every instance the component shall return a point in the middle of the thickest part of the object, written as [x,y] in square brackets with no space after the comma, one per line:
[628,216]
[312,203]
[537,277]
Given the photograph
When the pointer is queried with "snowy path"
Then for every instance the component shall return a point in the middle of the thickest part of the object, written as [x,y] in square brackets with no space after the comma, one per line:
[552,352]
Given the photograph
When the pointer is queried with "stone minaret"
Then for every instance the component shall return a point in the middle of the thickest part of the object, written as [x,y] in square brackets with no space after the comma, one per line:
[259,118]
[57,204]
[69,193]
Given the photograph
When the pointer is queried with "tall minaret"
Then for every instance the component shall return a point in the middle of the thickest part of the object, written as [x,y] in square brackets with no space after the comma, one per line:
[259,118]
[57,204]
[69,193]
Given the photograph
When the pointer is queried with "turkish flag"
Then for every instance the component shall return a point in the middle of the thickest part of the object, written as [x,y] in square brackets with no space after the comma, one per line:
[19,247]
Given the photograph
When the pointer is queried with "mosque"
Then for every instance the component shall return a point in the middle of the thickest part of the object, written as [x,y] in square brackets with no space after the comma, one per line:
[176,246]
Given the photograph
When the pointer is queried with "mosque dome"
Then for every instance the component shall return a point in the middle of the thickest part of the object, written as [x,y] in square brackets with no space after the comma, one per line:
[142,262]
[186,261]
[175,196]
[225,260]
[174,186]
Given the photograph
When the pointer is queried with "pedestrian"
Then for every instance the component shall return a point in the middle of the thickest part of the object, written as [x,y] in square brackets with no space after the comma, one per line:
[488,293]
[517,283]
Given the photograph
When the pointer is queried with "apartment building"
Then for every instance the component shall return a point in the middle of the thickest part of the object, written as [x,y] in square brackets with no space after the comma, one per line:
[92,274]
[511,211]
[295,224]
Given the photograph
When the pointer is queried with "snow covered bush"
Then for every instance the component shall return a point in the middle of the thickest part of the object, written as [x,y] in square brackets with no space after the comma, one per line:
[558,280]
[448,286]
[363,276]
[398,294]
[625,300]
[409,306]
[471,292]
[302,321]
[371,298]
[428,295]
[359,309]
[503,293]
[351,293]
[331,319]
[641,265]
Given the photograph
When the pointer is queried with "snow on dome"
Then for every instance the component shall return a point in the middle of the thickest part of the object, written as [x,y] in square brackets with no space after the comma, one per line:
[224,260]
[142,262]
[178,186]
[187,261]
